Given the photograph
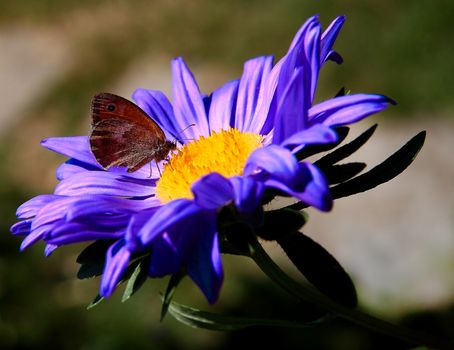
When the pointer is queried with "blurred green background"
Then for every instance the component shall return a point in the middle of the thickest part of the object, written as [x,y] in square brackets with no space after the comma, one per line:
[55,55]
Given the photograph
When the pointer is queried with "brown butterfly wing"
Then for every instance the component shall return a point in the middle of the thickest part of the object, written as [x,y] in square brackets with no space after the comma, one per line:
[110,106]
[123,134]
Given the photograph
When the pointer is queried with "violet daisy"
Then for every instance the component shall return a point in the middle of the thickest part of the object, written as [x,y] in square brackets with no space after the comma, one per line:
[242,144]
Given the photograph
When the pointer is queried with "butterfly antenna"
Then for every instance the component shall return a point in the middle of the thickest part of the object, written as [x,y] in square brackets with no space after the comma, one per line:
[180,132]
[186,128]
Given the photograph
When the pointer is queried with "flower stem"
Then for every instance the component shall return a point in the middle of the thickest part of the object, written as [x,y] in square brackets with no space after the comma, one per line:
[274,272]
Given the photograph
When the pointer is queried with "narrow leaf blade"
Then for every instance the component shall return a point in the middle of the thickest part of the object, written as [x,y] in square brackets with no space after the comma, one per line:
[338,173]
[202,319]
[346,150]
[280,222]
[95,302]
[320,268]
[383,172]
[137,279]
[174,281]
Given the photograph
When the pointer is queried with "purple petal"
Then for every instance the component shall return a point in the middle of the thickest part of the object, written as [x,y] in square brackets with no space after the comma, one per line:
[251,92]
[73,166]
[223,105]
[354,113]
[347,109]
[135,224]
[316,134]
[248,194]
[69,233]
[49,249]
[117,260]
[263,119]
[165,218]
[34,236]
[312,53]
[53,212]
[280,170]
[107,183]
[212,191]
[309,185]
[31,207]
[21,228]
[335,57]
[164,257]
[158,107]
[299,36]
[275,161]
[304,52]
[95,205]
[203,262]
[76,147]
[292,105]
[328,38]
[187,102]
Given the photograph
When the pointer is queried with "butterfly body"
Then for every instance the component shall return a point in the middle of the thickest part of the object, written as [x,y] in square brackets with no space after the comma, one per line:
[122,134]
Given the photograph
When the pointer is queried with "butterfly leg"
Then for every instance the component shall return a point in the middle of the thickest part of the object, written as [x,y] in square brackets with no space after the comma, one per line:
[159,170]
[151,170]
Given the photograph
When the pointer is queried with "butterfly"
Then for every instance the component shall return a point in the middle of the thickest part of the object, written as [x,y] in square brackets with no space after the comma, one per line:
[122,134]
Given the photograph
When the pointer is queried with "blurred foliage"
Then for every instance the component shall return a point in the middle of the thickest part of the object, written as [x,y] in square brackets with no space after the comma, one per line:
[398,48]
[402,49]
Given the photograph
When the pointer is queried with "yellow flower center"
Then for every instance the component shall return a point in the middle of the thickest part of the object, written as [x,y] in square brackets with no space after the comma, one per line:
[225,152]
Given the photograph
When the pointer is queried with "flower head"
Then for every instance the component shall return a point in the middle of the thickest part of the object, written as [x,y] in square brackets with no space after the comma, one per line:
[241,143]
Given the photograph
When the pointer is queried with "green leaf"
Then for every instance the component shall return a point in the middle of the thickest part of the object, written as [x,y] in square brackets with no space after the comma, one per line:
[345,150]
[137,279]
[342,172]
[383,172]
[174,281]
[280,222]
[95,302]
[207,320]
[320,268]
[342,132]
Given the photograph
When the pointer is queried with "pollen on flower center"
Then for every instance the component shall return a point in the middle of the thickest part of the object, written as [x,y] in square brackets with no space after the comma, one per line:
[225,152]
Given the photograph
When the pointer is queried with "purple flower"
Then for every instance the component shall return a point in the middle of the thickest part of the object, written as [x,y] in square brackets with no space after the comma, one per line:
[242,143]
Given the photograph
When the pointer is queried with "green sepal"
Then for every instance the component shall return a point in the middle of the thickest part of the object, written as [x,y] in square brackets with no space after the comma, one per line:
[319,267]
[280,222]
[127,275]
[174,281]
[346,150]
[202,319]
[137,279]
[383,172]
[95,302]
